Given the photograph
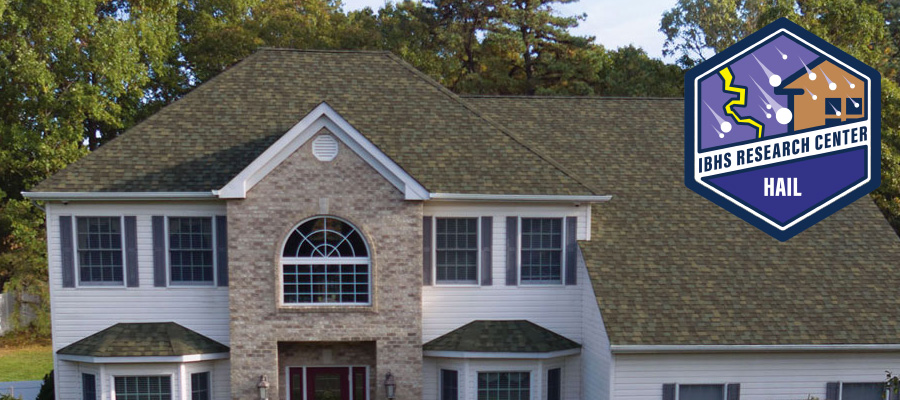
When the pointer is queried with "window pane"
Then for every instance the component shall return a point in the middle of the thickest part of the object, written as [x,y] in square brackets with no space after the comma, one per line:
[701,392]
[862,391]
[200,386]
[191,250]
[504,386]
[449,385]
[328,264]
[542,250]
[88,387]
[99,250]
[143,388]
[554,384]
[456,246]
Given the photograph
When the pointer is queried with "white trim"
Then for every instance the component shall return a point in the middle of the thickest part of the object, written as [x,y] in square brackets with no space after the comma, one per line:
[77,259]
[519,197]
[168,239]
[513,356]
[632,349]
[142,359]
[562,258]
[323,116]
[76,196]
[434,251]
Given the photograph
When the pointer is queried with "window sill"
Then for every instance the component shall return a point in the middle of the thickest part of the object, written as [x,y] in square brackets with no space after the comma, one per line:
[313,308]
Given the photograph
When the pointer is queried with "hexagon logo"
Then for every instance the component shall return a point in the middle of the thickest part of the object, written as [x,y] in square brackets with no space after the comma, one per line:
[782,129]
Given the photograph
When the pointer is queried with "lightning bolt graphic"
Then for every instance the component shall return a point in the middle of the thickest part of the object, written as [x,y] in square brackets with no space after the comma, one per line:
[740,101]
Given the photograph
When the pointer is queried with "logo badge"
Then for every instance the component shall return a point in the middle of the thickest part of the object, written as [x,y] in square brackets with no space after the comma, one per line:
[782,129]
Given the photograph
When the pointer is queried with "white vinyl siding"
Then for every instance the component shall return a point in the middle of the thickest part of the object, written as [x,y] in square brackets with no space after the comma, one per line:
[555,307]
[762,376]
[82,311]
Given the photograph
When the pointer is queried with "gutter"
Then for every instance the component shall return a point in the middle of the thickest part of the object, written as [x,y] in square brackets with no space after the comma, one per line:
[143,359]
[656,349]
[519,197]
[503,355]
[119,196]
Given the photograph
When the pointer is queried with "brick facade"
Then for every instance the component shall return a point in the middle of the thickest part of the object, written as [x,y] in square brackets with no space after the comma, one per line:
[346,187]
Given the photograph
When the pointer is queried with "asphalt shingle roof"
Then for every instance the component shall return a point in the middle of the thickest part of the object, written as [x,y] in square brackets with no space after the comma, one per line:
[201,141]
[671,268]
[501,337]
[144,340]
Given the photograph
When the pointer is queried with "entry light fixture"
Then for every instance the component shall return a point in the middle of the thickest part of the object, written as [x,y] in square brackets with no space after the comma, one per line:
[389,385]
[263,387]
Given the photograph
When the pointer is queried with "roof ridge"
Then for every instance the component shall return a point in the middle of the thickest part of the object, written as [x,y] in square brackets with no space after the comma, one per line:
[350,51]
[529,146]
[565,97]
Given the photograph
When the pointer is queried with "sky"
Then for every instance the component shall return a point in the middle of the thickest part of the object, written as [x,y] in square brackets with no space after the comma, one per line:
[613,24]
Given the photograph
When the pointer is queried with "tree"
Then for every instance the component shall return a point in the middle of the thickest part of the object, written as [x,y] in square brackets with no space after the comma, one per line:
[629,72]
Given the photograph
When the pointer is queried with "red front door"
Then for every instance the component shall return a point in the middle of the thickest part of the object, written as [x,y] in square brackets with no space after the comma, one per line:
[322,383]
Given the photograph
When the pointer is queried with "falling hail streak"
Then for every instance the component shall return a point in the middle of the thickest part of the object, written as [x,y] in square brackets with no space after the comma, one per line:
[768,114]
[783,56]
[718,118]
[855,104]
[852,86]
[774,79]
[768,106]
[721,135]
[769,99]
[814,97]
[812,75]
[831,85]
[836,111]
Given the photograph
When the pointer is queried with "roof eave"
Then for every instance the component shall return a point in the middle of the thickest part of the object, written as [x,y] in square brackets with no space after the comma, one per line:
[504,355]
[519,198]
[119,196]
[657,349]
[143,359]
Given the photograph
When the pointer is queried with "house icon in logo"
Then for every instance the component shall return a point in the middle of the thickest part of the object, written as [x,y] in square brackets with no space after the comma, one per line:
[824,94]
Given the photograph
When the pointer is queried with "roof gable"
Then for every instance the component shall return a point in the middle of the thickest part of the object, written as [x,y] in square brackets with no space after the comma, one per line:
[322,117]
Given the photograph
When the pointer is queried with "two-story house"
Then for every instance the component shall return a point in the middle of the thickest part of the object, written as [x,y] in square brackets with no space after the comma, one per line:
[314,225]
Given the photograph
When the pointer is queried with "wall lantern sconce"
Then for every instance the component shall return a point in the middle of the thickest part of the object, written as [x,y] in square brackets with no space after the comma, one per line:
[389,385]
[263,387]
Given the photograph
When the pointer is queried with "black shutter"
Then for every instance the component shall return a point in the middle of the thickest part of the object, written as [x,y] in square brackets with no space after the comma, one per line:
[131,256]
[486,239]
[734,391]
[832,390]
[512,250]
[159,251]
[668,391]
[68,251]
[571,251]
[222,250]
[426,250]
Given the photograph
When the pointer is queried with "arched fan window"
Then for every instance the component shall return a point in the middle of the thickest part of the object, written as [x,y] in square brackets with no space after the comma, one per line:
[326,260]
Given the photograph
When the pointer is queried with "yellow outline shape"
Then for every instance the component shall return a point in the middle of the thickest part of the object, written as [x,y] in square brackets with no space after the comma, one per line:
[740,101]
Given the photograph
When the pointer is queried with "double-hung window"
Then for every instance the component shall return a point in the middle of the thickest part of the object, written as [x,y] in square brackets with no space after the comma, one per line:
[456,250]
[731,391]
[864,391]
[191,251]
[449,385]
[542,251]
[100,254]
[143,387]
[504,385]
[88,387]
[200,386]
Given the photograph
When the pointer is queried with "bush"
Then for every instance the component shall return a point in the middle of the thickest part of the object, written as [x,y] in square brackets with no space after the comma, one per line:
[46,392]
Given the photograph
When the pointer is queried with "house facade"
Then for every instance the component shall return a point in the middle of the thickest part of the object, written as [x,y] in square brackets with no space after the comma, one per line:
[335,225]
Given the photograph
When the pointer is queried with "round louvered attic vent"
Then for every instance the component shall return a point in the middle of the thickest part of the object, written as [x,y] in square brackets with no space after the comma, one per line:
[325,148]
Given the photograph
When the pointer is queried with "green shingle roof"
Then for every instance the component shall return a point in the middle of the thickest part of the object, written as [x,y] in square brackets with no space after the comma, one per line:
[201,141]
[501,337]
[161,339]
[671,268]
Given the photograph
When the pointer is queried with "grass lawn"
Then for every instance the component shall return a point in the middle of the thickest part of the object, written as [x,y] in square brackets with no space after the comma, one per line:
[24,359]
